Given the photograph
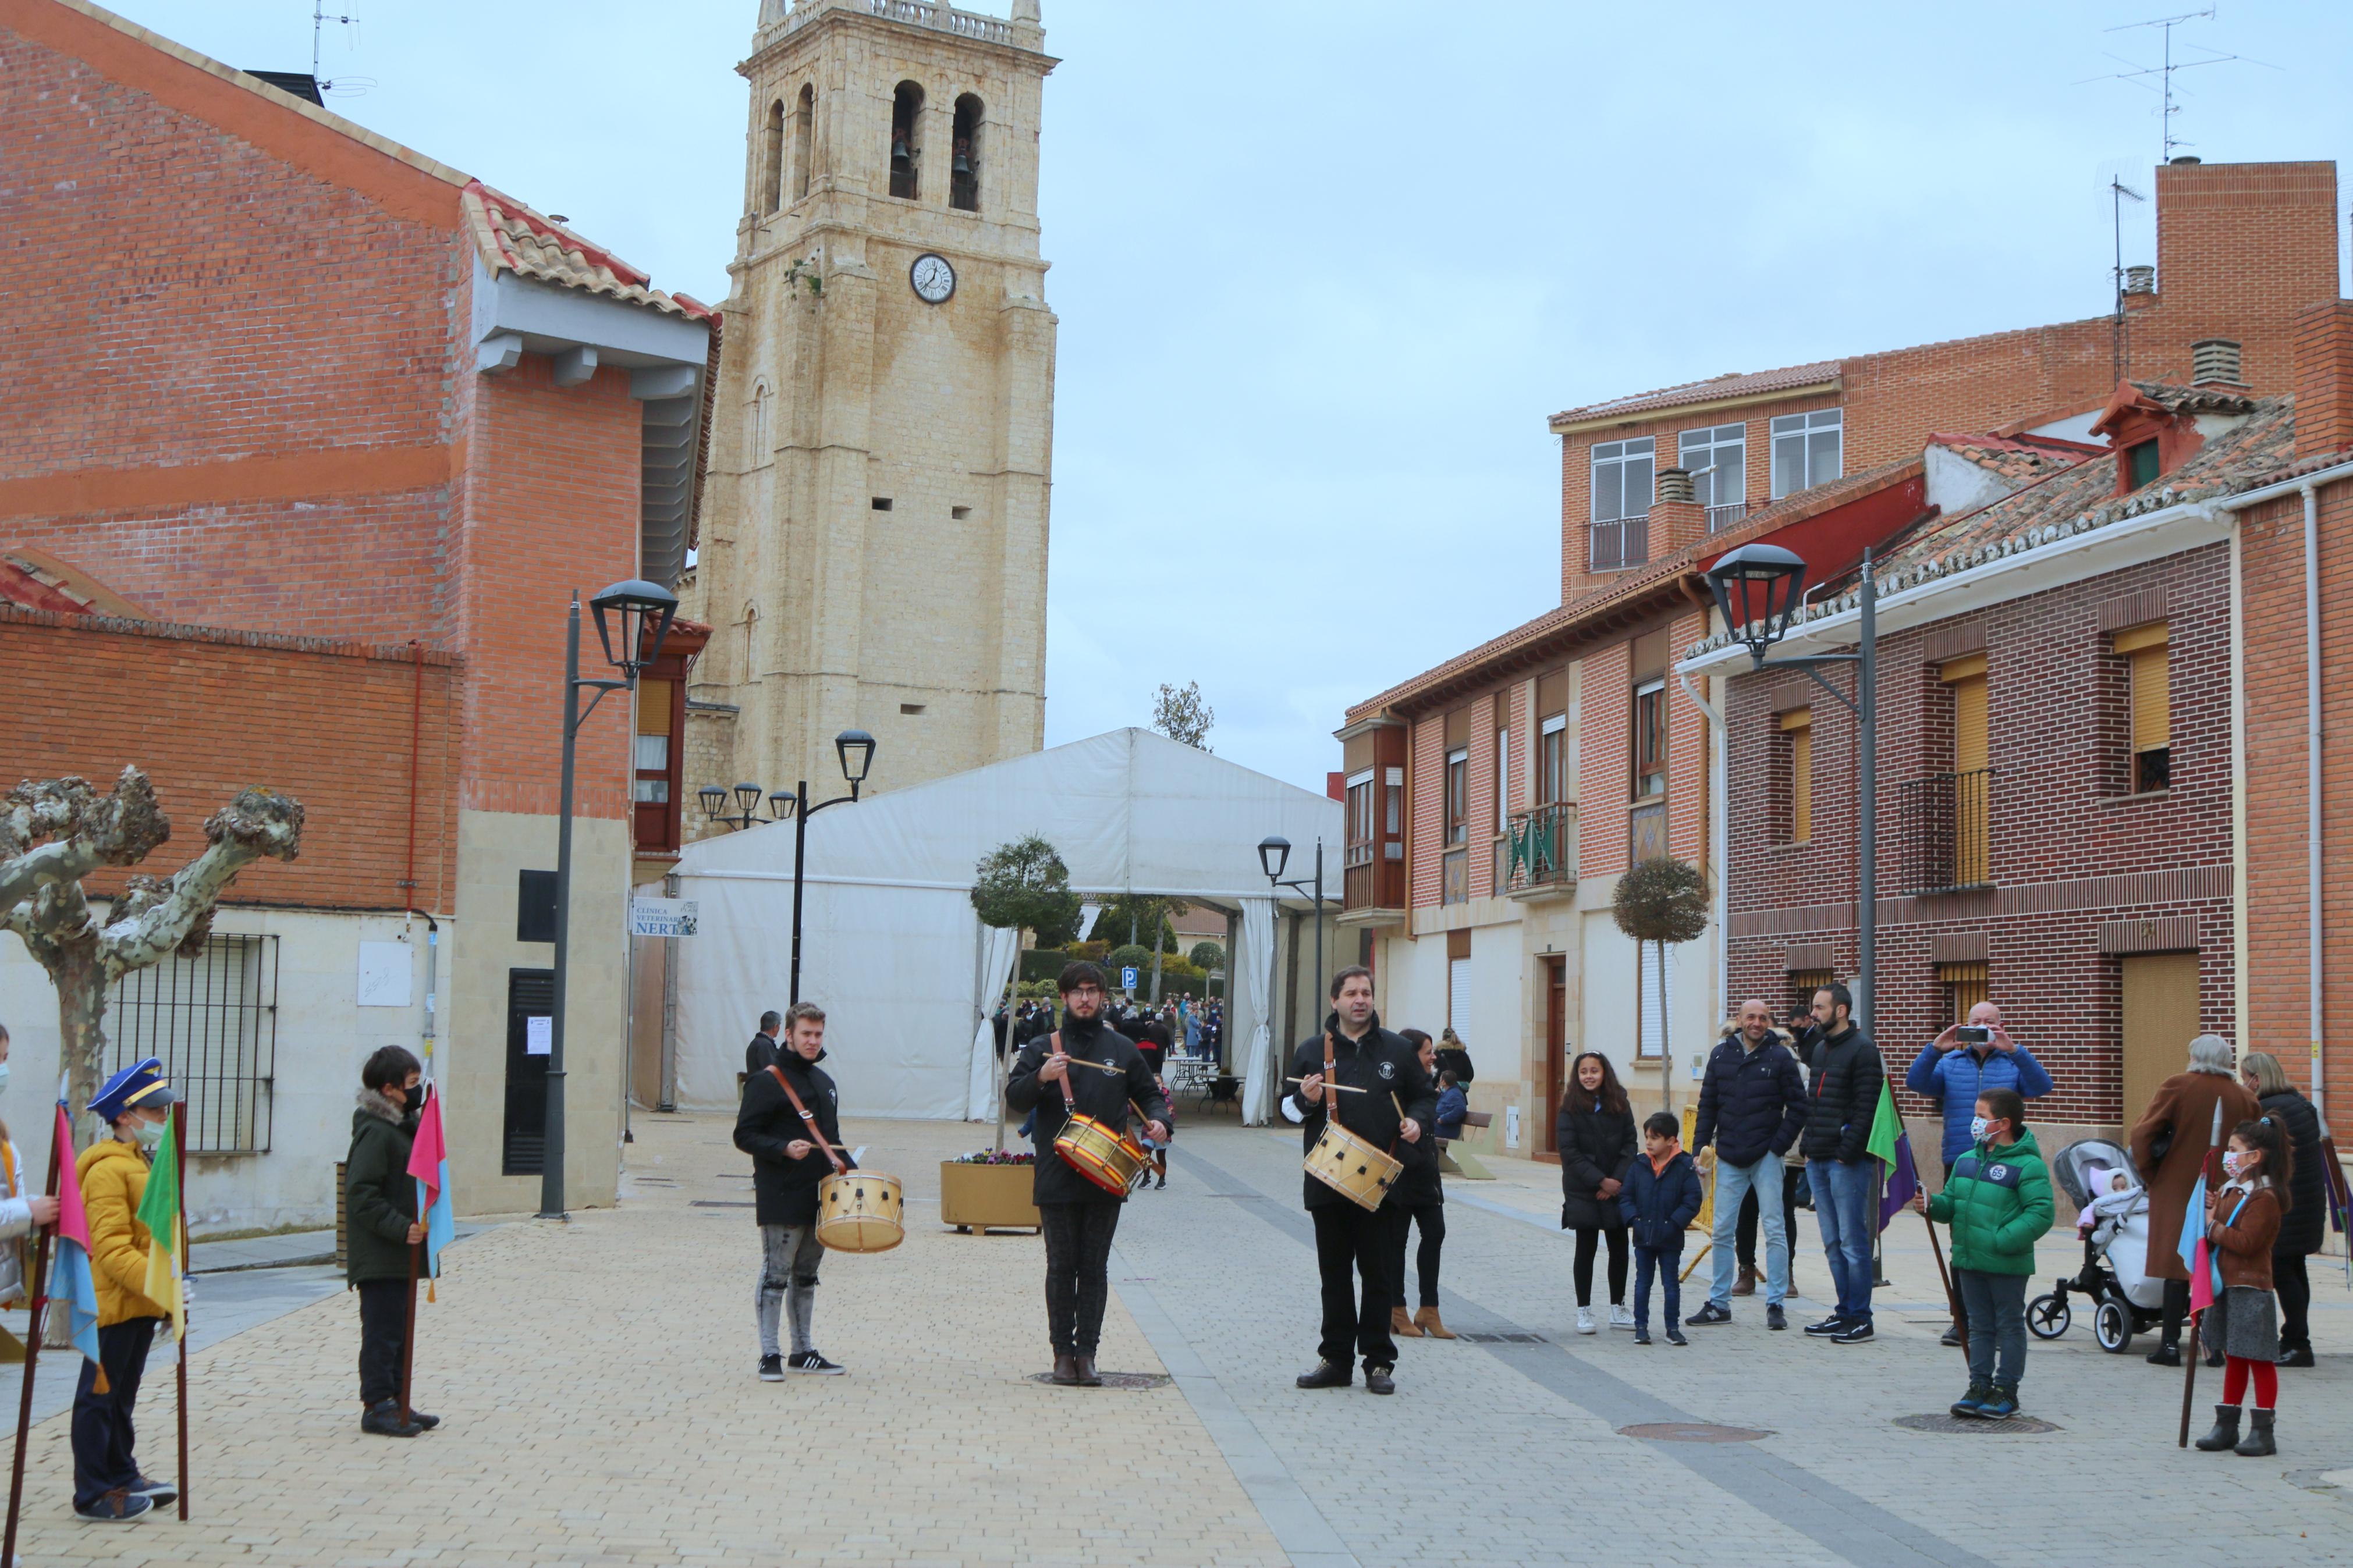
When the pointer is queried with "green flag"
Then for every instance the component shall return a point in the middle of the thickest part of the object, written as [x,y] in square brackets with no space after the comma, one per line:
[159,1211]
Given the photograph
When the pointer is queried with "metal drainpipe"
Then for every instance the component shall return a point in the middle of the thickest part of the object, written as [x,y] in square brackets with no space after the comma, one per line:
[2312,738]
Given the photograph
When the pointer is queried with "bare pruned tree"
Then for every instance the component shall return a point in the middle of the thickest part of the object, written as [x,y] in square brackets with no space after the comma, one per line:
[57,832]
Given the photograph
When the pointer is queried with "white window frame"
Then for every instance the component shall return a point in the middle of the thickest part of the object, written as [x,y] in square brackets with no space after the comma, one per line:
[1707,443]
[1811,427]
[1617,455]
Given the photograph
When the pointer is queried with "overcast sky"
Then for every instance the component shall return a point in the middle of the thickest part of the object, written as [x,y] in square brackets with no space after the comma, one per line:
[1323,269]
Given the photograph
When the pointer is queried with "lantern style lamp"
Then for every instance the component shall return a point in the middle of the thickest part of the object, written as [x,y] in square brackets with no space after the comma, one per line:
[1756,589]
[857,750]
[1273,854]
[634,616]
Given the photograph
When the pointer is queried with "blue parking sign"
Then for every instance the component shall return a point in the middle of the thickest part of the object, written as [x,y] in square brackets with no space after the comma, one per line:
[1128,977]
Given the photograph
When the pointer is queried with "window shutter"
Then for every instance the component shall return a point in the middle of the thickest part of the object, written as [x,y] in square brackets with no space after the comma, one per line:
[1458,994]
[1966,676]
[1652,1038]
[2150,711]
[1799,724]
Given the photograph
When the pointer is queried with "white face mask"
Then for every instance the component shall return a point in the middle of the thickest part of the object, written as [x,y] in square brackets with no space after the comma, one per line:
[2233,1163]
[3,1076]
[150,1135]
[1979,1127]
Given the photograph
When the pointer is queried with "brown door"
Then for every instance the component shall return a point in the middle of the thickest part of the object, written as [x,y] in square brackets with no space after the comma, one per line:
[1555,1050]
[2160,1009]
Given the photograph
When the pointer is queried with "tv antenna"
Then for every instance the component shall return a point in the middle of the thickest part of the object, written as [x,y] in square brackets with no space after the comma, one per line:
[2120,349]
[341,87]
[2169,101]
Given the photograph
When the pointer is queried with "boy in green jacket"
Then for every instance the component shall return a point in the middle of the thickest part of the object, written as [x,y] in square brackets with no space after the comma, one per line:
[1998,1201]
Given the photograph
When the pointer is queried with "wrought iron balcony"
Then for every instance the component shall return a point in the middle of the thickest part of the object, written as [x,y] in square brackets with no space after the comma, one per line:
[1947,824]
[1541,850]
[1720,518]
[1619,542]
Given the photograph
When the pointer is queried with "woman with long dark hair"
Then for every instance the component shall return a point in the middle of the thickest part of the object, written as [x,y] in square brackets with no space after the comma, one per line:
[1594,1135]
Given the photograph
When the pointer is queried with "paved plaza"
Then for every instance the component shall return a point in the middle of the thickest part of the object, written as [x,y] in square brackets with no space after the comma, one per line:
[596,1380]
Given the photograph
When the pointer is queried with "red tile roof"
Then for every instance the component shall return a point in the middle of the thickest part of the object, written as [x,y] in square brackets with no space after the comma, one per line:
[515,238]
[1733,383]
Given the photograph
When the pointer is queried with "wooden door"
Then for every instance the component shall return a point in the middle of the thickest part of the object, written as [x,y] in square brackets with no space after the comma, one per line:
[2160,1019]
[1556,1052]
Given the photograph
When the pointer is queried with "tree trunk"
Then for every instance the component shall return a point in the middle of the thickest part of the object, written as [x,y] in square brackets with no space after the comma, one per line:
[1666,1047]
[80,975]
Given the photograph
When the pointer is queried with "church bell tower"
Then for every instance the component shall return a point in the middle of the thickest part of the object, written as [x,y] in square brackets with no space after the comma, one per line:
[872,552]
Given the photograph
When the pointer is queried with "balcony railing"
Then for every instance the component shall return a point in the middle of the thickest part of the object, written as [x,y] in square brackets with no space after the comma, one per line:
[1619,542]
[1720,518]
[1946,822]
[1542,850]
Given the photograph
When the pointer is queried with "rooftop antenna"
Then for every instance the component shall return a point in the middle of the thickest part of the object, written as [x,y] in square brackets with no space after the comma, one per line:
[343,87]
[2119,343]
[2168,105]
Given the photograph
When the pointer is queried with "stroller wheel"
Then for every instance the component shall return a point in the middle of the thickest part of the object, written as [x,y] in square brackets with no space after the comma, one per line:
[2112,1326]
[2047,1315]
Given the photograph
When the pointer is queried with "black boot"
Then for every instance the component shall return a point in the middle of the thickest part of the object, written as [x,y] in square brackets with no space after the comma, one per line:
[2257,1444]
[383,1420]
[2167,1353]
[1088,1376]
[2226,1431]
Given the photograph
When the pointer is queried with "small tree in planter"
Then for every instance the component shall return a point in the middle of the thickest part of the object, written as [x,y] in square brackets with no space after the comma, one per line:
[1023,885]
[1662,901]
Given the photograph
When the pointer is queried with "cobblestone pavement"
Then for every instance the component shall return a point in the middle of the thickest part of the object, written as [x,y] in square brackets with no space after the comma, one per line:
[595,1378]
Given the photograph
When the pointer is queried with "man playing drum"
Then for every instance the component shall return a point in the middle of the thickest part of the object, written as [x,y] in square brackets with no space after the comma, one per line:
[1084,1070]
[786,1166]
[1383,1097]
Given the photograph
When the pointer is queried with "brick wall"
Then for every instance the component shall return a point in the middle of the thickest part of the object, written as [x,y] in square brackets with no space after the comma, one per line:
[1605,760]
[90,697]
[2069,850]
[1425,804]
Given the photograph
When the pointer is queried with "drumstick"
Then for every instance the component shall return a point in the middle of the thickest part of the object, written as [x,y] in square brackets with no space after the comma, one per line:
[1343,1087]
[1099,1067]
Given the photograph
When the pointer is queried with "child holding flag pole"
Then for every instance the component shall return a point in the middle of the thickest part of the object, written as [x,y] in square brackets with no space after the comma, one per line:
[382,1232]
[51,1215]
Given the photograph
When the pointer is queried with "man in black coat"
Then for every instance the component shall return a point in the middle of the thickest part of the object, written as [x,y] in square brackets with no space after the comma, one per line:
[764,1052]
[1392,1103]
[1836,1142]
[789,1148]
[1077,1218]
[1752,1106]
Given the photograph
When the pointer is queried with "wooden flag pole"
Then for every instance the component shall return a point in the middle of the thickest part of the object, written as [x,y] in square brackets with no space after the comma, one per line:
[2189,1358]
[180,1179]
[408,1340]
[39,1302]
[1952,1296]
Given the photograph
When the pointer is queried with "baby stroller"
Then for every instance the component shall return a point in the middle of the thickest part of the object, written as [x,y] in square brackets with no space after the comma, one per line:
[2100,1179]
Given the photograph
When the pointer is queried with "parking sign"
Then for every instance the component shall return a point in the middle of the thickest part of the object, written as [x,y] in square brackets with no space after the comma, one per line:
[1128,977]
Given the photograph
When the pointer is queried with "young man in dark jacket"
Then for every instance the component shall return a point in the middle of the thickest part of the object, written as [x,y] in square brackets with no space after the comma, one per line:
[381,1233]
[787,1163]
[1386,1099]
[1662,1191]
[1836,1142]
[1752,1106]
[1078,1218]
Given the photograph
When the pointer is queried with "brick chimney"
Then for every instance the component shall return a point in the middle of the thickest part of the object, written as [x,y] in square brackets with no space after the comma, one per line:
[2140,288]
[1677,520]
[2324,378]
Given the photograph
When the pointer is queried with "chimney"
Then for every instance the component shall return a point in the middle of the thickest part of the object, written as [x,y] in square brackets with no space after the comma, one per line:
[1677,520]
[2324,378]
[2215,362]
[2140,288]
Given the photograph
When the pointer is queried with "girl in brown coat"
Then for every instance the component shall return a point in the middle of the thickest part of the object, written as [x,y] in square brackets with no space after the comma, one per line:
[2243,1220]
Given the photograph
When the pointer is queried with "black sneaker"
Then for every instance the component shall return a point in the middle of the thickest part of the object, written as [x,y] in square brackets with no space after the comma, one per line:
[161,1493]
[1833,1324]
[1776,1319]
[1708,1315]
[117,1506]
[383,1420]
[1856,1334]
[1951,1338]
[1675,1337]
[772,1369]
[1642,1335]
[810,1362]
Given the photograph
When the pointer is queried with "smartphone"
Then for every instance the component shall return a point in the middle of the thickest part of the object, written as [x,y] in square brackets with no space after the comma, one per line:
[1974,1035]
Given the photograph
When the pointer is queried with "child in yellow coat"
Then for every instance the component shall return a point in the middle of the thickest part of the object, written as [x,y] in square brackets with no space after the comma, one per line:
[109,1487]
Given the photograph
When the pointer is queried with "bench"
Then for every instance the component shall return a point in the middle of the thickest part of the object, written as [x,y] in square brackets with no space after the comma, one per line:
[1462,1164]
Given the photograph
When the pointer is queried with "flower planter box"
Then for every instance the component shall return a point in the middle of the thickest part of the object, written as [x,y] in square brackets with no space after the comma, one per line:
[987,1197]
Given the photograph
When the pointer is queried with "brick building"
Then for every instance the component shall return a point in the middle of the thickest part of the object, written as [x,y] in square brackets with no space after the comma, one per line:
[1496,798]
[312,439]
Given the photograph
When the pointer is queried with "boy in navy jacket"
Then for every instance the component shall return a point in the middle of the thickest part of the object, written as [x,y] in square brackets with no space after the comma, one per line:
[1662,1195]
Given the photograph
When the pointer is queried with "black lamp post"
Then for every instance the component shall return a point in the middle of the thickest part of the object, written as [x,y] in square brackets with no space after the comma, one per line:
[632,617]
[856,750]
[1758,588]
[1273,854]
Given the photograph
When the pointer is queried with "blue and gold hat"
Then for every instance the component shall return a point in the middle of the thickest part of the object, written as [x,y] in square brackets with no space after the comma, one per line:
[140,1085]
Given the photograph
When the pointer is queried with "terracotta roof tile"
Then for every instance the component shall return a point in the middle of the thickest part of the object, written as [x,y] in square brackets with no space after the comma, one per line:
[514,237]
[1731,385]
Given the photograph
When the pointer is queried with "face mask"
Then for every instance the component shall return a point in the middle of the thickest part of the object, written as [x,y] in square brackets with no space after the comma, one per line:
[2233,1163]
[3,1076]
[1979,1127]
[150,1135]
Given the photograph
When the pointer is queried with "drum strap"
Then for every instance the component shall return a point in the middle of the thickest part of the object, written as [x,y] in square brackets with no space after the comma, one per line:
[816,1133]
[1332,1110]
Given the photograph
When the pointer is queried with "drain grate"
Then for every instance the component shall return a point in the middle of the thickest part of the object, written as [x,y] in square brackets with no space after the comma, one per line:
[1692,1432]
[722,1204]
[1504,1339]
[2017,1425]
[1117,1379]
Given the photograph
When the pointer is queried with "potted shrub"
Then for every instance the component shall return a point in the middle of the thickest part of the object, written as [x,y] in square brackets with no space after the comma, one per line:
[989,1190]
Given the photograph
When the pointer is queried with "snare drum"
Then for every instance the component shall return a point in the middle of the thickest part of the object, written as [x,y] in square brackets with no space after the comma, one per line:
[861,1211]
[1102,1153]
[1356,1170]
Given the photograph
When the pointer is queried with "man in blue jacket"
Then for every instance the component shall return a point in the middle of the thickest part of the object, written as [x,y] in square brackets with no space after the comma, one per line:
[1752,1106]
[1961,1064]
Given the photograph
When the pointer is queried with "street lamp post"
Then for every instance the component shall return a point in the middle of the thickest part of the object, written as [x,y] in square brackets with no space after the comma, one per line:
[643,612]
[1273,854]
[856,750]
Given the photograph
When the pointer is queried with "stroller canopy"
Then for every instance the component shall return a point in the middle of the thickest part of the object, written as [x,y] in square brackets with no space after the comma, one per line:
[2085,1167]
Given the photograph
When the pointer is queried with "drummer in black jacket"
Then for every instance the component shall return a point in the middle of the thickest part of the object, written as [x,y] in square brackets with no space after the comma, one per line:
[786,1166]
[1077,1218]
[1392,1108]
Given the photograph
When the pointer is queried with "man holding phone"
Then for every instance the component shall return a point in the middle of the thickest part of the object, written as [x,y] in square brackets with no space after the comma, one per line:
[1963,1062]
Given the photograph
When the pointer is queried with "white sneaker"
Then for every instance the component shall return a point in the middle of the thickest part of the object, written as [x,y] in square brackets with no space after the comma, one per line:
[1585,1320]
[1621,1316]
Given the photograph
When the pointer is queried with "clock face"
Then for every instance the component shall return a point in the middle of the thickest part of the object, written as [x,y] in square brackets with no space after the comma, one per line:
[932,277]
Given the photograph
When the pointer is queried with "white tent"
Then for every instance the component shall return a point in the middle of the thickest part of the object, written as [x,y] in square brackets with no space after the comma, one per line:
[893,951]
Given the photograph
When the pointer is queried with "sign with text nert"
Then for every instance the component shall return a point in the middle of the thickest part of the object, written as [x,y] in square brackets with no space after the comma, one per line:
[662,917]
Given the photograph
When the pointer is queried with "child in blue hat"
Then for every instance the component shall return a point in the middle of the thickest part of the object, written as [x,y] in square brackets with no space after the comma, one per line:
[109,1487]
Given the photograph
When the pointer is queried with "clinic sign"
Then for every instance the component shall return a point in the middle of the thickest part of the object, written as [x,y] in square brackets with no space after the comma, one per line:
[662,917]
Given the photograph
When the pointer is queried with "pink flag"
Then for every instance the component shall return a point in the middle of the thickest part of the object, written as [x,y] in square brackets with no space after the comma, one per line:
[427,1154]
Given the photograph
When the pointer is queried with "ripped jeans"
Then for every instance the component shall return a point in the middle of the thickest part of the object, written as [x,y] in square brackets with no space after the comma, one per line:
[789,1255]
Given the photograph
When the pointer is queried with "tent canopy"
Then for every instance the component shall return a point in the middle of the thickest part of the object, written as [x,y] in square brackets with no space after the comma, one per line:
[890,945]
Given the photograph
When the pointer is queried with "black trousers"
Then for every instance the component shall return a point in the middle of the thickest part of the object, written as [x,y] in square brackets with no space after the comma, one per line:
[2292,1285]
[2177,1306]
[102,1435]
[384,1338]
[1587,1239]
[1078,1270]
[1431,1217]
[1745,1235]
[1355,1254]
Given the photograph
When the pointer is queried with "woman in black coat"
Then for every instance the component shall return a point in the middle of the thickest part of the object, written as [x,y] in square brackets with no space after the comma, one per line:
[2304,1223]
[1594,1135]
